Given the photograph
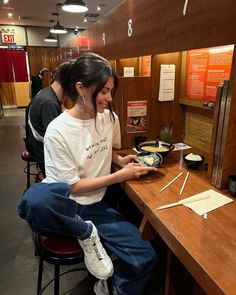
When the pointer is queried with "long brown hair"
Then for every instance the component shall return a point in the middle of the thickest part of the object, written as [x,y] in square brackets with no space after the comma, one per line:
[89,69]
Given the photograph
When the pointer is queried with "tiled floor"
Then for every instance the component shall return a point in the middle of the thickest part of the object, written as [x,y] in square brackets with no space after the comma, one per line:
[18,264]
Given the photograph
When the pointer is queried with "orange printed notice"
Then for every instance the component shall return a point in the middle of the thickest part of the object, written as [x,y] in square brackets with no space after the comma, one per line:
[205,70]
[136,116]
[146,66]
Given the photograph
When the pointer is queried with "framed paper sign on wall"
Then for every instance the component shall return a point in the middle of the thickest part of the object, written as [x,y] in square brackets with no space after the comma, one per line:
[136,116]
[167,83]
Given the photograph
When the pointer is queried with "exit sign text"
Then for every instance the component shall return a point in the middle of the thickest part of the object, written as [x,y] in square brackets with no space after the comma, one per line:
[8,38]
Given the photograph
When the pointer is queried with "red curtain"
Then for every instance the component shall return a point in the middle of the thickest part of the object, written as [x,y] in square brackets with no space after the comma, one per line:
[19,64]
[6,70]
[13,60]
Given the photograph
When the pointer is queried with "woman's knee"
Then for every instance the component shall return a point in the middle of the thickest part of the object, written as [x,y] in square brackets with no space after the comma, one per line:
[146,261]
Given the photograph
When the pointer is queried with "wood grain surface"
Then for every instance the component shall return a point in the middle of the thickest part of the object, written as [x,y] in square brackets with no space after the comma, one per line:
[206,247]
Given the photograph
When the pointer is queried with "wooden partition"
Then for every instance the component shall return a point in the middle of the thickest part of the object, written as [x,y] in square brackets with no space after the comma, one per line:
[113,65]
[132,89]
[201,123]
[162,113]
[15,94]
[229,146]
[166,31]
[8,94]
[39,57]
[127,62]
[22,92]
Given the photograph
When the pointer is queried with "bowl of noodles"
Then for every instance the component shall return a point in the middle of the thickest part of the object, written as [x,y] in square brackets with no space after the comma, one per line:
[154,146]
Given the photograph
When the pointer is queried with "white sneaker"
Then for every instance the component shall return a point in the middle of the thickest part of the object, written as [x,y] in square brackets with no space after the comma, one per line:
[96,259]
[100,288]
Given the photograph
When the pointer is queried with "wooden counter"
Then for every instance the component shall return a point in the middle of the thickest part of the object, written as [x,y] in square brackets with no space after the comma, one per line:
[206,247]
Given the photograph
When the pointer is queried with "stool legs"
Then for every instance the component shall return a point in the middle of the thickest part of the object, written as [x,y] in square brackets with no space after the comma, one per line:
[40,275]
[28,174]
[56,281]
[56,278]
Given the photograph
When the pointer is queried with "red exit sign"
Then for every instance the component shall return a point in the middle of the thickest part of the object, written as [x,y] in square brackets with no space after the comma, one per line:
[8,38]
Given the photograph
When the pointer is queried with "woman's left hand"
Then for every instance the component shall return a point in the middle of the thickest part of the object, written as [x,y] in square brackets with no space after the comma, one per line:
[127,159]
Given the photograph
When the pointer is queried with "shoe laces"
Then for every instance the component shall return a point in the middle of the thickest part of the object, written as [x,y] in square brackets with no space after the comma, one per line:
[96,246]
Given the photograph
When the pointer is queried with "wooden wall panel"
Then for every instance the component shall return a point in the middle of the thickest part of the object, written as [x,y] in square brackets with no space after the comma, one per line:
[39,57]
[15,93]
[160,27]
[8,93]
[163,112]
[130,89]
[127,62]
[22,91]
[118,101]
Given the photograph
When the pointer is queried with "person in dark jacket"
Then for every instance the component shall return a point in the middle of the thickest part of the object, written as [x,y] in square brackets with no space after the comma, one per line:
[37,82]
[42,109]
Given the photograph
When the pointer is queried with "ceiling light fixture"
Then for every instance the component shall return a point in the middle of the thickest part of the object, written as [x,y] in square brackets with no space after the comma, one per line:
[50,37]
[74,6]
[98,8]
[58,28]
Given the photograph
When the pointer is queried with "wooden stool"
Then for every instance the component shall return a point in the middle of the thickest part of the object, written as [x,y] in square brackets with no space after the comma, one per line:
[57,250]
[28,158]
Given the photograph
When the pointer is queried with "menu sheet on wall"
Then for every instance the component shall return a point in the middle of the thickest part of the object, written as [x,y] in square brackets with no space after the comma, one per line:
[167,83]
[205,70]
[136,116]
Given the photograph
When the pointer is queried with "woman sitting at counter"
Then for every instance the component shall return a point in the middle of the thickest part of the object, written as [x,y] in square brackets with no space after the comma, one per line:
[78,147]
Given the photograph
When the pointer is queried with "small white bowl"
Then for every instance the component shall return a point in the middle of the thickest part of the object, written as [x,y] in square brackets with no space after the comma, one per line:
[149,159]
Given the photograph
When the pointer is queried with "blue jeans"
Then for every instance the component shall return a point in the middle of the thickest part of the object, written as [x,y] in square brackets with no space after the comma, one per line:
[136,258]
[48,208]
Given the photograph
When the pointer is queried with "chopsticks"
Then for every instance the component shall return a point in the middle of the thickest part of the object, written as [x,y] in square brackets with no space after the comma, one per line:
[185,180]
[184,201]
[170,182]
[184,183]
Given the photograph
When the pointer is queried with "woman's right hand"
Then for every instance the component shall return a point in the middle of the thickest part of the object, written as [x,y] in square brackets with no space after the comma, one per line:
[134,171]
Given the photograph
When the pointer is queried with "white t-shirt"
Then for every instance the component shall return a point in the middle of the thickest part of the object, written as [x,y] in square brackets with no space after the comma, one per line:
[74,149]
